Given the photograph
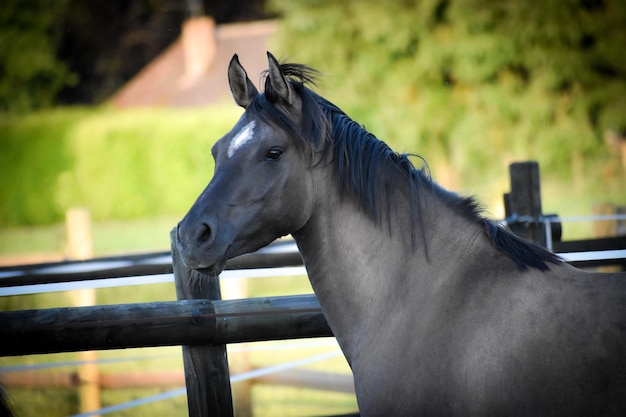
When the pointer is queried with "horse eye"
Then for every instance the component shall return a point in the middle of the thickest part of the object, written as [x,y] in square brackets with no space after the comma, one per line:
[274,154]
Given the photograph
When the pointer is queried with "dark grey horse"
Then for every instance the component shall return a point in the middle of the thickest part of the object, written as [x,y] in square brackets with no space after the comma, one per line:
[437,310]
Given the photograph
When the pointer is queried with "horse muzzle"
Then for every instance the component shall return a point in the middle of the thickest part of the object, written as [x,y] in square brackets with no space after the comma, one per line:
[195,243]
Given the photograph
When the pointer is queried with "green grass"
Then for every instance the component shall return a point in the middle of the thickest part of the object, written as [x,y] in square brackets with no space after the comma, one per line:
[294,402]
[109,237]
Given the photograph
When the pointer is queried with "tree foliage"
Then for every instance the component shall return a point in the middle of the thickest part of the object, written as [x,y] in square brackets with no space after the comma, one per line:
[107,42]
[471,84]
[30,73]
[80,52]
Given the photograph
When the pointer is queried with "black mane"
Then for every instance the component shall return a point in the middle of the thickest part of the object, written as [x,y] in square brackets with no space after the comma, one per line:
[365,164]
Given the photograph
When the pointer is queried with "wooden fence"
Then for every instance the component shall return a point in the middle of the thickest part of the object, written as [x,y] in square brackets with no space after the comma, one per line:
[200,321]
[525,217]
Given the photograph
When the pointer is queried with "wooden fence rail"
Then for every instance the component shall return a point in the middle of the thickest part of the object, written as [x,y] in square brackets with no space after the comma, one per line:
[199,322]
[184,322]
[276,255]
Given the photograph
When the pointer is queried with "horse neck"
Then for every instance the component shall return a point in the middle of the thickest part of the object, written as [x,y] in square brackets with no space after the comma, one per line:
[359,268]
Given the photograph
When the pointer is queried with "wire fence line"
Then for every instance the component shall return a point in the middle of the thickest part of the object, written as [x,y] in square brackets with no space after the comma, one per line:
[144,280]
[233,348]
[593,218]
[233,379]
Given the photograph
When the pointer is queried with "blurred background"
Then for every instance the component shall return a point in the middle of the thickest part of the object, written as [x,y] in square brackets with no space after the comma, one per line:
[113,106]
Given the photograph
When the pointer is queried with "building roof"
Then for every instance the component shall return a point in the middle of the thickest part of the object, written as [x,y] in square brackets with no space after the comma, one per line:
[193,70]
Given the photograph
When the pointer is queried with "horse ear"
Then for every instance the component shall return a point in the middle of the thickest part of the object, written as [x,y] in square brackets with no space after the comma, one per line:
[278,82]
[242,89]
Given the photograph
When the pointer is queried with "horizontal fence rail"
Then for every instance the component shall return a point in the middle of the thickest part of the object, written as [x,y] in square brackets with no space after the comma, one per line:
[184,322]
[283,253]
[594,252]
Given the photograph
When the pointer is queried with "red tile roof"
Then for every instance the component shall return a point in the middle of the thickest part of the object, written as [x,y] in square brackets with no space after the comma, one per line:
[176,80]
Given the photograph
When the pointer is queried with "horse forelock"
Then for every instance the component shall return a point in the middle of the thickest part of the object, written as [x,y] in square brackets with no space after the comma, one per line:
[294,73]
[365,165]
[312,131]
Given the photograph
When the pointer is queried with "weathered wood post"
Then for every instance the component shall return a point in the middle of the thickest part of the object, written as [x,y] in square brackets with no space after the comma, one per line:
[206,367]
[523,203]
[80,247]
[232,289]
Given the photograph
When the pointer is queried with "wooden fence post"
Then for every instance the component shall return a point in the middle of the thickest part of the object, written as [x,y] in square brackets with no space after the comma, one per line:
[206,367]
[80,247]
[233,289]
[523,203]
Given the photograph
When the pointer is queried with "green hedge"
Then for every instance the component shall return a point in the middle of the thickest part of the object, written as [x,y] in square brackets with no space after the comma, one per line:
[119,164]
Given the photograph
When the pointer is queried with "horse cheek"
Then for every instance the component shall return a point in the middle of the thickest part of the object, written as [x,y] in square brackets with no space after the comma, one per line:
[291,205]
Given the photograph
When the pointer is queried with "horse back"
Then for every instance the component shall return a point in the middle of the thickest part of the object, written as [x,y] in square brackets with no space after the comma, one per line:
[535,343]
[557,341]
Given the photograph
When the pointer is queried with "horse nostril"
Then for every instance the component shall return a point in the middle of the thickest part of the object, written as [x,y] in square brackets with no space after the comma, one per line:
[204,233]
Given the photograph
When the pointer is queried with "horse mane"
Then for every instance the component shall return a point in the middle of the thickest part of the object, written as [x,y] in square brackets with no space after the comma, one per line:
[365,164]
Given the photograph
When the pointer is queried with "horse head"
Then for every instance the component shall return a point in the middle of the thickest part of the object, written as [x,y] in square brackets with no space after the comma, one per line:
[261,188]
